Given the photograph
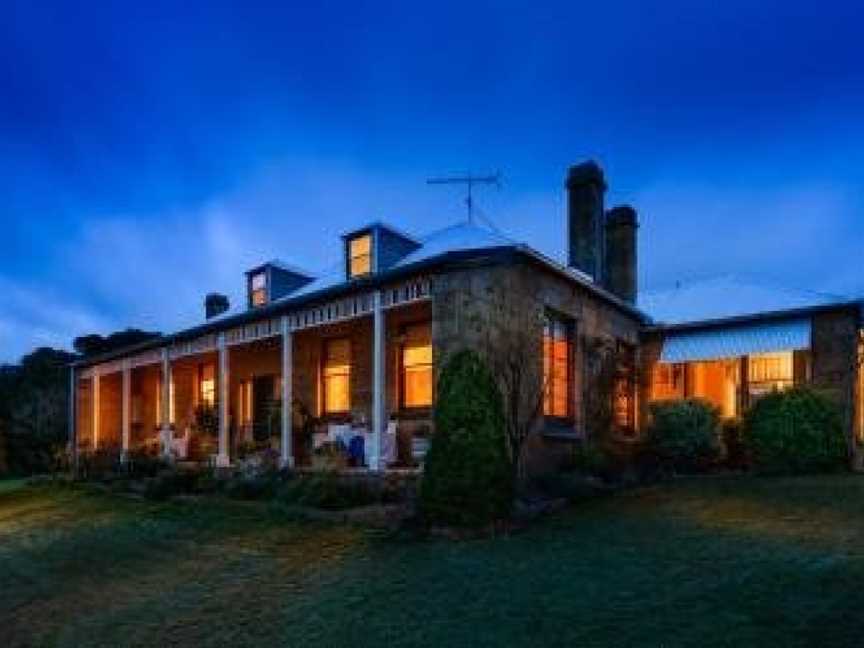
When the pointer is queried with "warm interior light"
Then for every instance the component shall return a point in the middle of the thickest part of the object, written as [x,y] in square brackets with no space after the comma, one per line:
[556,367]
[360,255]
[337,376]
[417,366]
[258,287]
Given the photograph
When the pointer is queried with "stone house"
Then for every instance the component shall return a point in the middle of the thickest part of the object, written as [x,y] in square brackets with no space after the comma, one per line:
[356,350]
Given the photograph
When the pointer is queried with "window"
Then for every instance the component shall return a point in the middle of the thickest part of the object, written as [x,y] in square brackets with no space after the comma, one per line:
[624,388]
[337,376]
[416,366]
[258,289]
[770,372]
[207,385]
[360,256]
[668,381]
[557,366]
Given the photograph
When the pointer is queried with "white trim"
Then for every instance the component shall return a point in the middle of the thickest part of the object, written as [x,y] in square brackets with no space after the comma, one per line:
[222,458]
[287,458]
[378,381]
[126,386]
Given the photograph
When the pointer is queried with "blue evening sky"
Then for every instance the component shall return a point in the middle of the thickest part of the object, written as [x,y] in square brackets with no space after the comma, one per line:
[151,152]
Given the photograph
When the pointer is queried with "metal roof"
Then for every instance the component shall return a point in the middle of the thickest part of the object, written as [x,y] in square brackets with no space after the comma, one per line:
[728,297]
[452,244]
[737,340]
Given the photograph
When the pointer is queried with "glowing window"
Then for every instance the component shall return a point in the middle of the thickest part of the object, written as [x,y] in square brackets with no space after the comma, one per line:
[360,256]
[258,289]
[557,367]
[416,366]
[624,388]
[770,372]
[337,376]
[207,385]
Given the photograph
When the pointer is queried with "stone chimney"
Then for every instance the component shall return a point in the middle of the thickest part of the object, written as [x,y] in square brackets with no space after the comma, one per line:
[585,231]
[620,275]
[215,304]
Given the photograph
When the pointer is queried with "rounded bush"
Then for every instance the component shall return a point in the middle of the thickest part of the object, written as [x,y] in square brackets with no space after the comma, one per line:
[685,434]
[467,478]
[796,430]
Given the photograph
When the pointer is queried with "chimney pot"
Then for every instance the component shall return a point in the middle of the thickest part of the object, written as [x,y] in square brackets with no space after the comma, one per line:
[215,304]
[621,274]
[586,187]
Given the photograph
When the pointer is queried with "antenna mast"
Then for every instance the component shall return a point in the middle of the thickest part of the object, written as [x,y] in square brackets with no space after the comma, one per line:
[469,180]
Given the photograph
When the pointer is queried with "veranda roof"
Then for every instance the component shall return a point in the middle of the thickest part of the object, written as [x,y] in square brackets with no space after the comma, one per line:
[737,340]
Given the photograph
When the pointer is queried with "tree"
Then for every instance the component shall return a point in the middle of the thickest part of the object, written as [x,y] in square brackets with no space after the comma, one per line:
[34,409]
[509,320]
[467,476]
[95,344]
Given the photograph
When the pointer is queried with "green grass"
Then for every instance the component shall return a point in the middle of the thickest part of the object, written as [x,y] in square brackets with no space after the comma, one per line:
[704,562]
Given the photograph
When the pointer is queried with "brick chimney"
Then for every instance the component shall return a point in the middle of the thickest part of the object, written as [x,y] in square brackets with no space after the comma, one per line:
[215,304]
[620,275]
[586,187]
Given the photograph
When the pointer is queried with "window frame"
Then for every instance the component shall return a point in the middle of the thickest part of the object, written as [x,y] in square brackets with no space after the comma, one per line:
[350,256]
[626,372]
[569,324]
[325,412]
[263,290]
[403,407]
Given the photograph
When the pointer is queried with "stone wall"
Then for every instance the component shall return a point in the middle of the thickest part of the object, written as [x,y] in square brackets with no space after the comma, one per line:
[834,353]
[477,307]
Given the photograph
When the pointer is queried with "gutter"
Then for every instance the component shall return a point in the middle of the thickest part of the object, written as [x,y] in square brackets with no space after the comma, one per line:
[756,317]
[286,304]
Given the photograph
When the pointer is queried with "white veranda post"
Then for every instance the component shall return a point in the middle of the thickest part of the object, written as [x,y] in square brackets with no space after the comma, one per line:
[95,404]
[125,411]
[287,458]
[378,386]
[167,437]
[222,458]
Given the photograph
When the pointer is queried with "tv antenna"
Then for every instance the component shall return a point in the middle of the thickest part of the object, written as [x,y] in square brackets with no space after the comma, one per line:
[469,181]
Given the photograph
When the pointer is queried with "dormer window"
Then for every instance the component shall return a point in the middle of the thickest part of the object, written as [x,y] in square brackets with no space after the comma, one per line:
[360,255]
[258,289]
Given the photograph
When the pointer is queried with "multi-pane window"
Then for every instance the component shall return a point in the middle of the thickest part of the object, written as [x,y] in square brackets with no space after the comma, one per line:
[336,376]
[557,366]
[360,256]
[668,382]
[258,289]
[416,366]
[624,388]
[769,372]
[207,385]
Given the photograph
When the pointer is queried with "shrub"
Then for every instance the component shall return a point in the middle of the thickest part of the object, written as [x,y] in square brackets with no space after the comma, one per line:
[251,487]
[796,430]
[684,434]
[169,483]
[327,490]
[733,444]
[467,478]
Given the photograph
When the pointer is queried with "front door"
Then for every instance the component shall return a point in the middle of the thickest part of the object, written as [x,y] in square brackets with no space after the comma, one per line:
[262,407]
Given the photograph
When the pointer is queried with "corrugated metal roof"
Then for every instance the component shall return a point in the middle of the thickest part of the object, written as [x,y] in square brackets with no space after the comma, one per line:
[727,297]
[737,340]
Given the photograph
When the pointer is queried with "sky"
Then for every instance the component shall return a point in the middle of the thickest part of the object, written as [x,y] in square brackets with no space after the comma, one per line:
[152,152]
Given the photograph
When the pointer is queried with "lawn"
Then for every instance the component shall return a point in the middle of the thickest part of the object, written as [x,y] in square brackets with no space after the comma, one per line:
[701,562]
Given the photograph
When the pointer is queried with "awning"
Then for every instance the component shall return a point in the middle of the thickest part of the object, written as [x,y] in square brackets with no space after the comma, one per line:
[736,340]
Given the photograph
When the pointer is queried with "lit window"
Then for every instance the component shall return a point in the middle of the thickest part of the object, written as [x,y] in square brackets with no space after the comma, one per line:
[770,372]
[337,376]
[416,366]
[207,385]
[557,359]
[258,289]
[360,256]
[668,381]
[624,389]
